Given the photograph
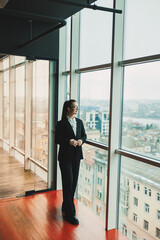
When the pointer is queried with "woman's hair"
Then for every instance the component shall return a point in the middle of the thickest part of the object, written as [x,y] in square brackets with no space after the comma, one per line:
[66,105]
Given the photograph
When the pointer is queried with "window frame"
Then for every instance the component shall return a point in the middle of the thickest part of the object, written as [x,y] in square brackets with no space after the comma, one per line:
[135,201]
[158,214]
[146,225]
[157,232]
[134,217]
[146,208]
[124,230]
[158,197]
[134,235]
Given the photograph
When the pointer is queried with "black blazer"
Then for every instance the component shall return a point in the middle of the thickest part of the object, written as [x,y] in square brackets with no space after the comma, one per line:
[63,134]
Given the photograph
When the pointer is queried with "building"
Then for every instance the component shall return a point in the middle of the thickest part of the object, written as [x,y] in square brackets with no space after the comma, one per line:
[110,63]
[139,200]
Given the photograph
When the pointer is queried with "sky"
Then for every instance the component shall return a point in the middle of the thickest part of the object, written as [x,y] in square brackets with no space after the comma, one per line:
[142,81]
[141,38]
[95,85]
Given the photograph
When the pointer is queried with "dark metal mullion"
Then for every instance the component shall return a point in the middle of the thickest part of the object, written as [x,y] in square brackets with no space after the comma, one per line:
[66,73]
[89,69]
[4,70]
[141,60]
[138,157]
[124,63]
[94,68]
[37,163]
[96,144]
[18,65]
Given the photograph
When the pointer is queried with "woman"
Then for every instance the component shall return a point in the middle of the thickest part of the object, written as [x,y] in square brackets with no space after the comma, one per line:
[70,135]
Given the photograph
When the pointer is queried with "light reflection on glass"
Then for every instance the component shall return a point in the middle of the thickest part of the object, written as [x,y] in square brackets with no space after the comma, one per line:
[40,101]
[19,107]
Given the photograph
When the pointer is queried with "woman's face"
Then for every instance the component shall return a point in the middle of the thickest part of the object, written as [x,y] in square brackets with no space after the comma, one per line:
[73,110]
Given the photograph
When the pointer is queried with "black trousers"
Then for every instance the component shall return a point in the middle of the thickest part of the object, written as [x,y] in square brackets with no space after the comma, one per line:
[69,172]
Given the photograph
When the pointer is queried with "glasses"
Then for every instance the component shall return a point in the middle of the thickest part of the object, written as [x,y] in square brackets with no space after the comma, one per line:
[75,107]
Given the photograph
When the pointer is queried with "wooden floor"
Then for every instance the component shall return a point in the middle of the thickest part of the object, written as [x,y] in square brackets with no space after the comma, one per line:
[14,180]
[39,217]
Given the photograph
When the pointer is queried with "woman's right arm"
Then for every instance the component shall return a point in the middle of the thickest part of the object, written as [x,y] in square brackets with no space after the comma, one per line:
[60,136]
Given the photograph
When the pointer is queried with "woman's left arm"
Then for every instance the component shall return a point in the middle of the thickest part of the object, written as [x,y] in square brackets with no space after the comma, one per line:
[83,133]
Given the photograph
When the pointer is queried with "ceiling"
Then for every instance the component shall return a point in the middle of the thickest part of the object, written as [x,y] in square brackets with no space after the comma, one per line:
[24,20]
[46,7]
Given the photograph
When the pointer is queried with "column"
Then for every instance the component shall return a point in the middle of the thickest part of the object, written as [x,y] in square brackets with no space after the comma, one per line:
[75,57]
[11,105]
[53,114]
[113,181]
[62,64]
[28,112]
[1,103]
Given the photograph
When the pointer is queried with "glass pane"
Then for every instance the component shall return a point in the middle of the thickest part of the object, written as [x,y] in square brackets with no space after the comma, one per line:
[96,35]
[141,109]
[40,101]
[6,106]
[139,199]
[19,59]
[19,108]
[93,179]
[141,34]
[94,104]
[6,63]
[68,38]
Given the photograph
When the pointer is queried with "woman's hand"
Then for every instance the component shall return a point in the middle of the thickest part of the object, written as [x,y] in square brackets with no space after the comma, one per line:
[79,142]
[73,142]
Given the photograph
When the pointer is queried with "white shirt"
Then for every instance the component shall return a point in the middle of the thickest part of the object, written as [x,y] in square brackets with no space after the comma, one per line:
[73,124]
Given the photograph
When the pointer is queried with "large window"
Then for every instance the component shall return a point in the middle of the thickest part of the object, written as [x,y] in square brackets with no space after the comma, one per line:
[141,109]
[40,101]
[24,114]
[133,86]
[93,94]
[19,107]
[141,116]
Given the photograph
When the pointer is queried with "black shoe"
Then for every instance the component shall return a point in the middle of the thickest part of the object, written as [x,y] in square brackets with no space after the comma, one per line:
[73,220]
[64,211]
